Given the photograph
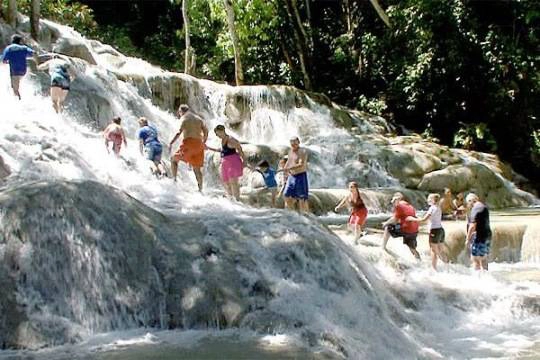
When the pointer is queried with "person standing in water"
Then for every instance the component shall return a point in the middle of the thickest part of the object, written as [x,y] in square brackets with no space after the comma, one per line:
[62,73]
[297,187]
[359,212]
[478,232]
[114,133]
[282,175]
[15,55]
[436,231]
[398,225]
[195,134]
[447,203]
[232,161]
[269,177]
[150,146]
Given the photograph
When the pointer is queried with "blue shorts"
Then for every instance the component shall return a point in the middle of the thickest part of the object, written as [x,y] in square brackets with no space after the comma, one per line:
[297,186]
[153,151]
[480,248]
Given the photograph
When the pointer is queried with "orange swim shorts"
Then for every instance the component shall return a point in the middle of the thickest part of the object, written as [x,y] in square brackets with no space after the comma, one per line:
[191,151]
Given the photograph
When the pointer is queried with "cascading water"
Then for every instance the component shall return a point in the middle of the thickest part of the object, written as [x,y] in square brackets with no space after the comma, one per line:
[123,251]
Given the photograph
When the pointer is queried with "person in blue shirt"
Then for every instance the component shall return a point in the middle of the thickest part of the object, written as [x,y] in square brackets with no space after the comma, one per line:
[15,55]
[151,147]
[269,176]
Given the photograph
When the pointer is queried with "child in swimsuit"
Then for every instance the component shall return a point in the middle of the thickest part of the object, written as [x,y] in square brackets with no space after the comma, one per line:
[269,176]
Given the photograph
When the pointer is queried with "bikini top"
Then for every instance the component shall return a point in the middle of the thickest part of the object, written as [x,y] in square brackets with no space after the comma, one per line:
[226,150]
[358,204]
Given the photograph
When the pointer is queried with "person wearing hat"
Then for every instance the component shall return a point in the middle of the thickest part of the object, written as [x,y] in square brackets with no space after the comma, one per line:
[297,188]
[398,225]
[15,55]
[478,232]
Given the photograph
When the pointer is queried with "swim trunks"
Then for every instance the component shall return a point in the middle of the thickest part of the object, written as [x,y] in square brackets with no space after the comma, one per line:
[153,151]
[297,186]
[480,248]
[409,239]
[191,151]
[116,138]
[436,236]
[231,167]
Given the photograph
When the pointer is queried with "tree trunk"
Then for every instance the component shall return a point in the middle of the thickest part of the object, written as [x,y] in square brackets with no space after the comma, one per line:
[35,13]
[238,71]
[189,56]
[300,40]
[381,12]
[12,13]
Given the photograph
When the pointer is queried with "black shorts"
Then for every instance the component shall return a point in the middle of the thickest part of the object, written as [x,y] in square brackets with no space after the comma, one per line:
[409,239]
[436,236]
[60,84]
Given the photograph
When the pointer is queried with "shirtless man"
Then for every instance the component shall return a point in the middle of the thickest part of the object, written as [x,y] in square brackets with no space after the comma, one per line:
[297,189]
[447,203]
[192,149]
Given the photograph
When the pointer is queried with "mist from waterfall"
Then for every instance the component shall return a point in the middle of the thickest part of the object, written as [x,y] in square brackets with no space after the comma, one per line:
[389,306]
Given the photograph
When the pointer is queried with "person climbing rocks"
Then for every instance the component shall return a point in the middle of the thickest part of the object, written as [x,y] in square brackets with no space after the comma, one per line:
[478,232]
[297,188]
[447,203]
[269,177]
[398,225]
[436,231]
[151,147]
[232,161]
[359,212]
[15,55]
[114,133]
[195,134]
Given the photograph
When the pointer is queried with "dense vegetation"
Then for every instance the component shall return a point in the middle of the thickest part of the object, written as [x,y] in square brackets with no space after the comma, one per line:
[465,72]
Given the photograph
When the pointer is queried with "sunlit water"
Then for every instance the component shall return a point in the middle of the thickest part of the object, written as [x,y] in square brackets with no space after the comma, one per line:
[455,313]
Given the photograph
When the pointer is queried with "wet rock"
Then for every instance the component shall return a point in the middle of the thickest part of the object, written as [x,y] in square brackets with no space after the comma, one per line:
[74,48]
[4,169]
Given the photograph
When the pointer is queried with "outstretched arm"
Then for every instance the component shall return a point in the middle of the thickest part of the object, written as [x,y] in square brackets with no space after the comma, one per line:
[123,136]
[341,204]
[141,147]
[205,132]
[177,135]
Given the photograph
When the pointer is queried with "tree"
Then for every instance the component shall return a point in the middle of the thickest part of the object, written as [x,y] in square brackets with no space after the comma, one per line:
[300,40]
[238,71]
[189,56]
[12,13]
[381,12]
[35,10]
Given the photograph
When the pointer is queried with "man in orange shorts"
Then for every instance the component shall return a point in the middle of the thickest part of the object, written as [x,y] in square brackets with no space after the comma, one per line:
[192,149]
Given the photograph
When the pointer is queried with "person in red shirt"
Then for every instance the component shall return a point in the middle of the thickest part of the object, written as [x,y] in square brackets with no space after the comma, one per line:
[398,226]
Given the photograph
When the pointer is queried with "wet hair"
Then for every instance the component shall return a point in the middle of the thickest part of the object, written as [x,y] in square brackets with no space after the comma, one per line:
[263,164]
[183,108]
[219,128]
[397,196]
[471,197]
[117,120]
[294,138]
[436,197]
[143,121]
[16,39]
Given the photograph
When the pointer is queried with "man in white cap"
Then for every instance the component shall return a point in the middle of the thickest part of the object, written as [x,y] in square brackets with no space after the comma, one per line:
[478,232]
[399,226]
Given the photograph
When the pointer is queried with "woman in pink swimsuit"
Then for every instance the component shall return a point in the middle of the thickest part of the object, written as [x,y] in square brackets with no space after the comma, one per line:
[232,161]
[115,133]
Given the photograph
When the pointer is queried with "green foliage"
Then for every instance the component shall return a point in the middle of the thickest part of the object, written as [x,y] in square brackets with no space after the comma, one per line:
[475,137]
[66,12]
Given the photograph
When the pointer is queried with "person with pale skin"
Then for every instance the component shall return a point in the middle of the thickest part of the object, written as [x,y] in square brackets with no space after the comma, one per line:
[62,74]
[232,162]
[195,134]
[359,212]
[399,226]
[297,188]
[114,133]
[436,231]
[151,147]
[478,232]
[282,176]
[447,203]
